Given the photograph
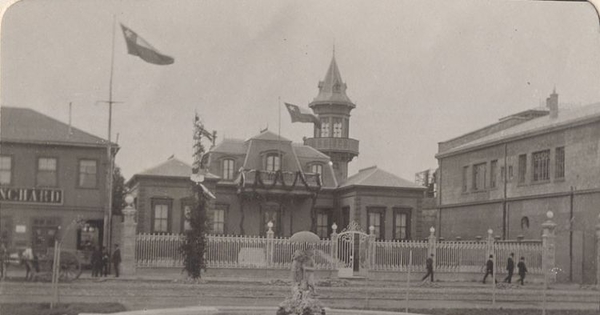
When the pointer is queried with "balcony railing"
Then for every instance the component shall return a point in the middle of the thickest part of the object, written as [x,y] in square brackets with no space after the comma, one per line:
[333,144]
[280,179]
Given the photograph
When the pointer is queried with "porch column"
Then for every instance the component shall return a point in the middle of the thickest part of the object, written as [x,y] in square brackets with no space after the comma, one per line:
[549,246]
[128,237]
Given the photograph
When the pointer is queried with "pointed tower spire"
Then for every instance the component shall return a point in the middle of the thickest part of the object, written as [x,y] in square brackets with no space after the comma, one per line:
[332,88]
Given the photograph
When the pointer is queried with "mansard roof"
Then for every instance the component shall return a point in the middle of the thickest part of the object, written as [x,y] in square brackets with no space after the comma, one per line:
[172,167]
[269,136]
[376,177]
[567,118]
[24,125]
[332,89]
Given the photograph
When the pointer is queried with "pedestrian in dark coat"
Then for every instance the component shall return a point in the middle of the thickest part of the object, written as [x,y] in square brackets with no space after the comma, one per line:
[510,267]
[489,268]
[522,269]
[116,259]
[105,261]
[96,261]
[429,266]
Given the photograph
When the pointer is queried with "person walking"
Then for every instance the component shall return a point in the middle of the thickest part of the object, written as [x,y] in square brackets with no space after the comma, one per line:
[105,261]
[489,268]
[510,267]
[522,269]
[116,259]
[429,266]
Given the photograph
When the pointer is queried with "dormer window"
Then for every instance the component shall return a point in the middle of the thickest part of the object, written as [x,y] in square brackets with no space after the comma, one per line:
[316,168]
[273,162]
[227,167]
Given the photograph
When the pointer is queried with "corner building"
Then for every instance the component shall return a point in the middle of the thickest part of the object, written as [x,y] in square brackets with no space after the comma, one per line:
[50,175]
[296,186]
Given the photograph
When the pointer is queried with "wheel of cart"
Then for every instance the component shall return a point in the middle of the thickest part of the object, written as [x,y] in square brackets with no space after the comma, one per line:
[69,270]
[70,266]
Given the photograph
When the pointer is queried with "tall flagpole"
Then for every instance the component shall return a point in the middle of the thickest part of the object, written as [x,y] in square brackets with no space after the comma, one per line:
[109,175]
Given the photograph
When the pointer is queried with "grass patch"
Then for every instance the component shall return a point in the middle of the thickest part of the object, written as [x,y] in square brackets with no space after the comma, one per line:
[60,309]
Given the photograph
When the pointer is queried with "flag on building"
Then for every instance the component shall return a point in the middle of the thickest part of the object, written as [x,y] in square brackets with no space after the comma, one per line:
[300,114]
[137,46]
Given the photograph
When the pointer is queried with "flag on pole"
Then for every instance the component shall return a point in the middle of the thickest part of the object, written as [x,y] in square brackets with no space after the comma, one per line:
[300,114]
[137,46]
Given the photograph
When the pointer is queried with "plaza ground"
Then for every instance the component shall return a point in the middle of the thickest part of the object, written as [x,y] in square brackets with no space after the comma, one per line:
[154,290]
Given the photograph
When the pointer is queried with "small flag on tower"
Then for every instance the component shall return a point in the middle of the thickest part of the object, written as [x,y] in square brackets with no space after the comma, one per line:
[300,114]
[137,46]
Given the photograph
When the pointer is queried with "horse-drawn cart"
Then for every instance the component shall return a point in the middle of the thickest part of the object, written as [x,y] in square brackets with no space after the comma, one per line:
[40,264]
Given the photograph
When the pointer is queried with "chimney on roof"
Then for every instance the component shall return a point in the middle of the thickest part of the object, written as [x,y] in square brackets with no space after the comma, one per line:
[552,104]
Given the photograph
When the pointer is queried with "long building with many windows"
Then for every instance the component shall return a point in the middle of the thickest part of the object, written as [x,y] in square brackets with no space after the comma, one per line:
[506,177]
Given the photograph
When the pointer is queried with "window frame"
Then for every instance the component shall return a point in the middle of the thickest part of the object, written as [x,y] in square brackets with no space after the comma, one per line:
[96,184]
[328,215]
[161,201]
[317,165]
[37,171]
[231,172]
[476,174]
[465,179]
[403,211]
[559,162]
[493,174]
[381,211]
[273,155]
[271,207]
[539,167]
[10,171]
[218,207]
[522,175]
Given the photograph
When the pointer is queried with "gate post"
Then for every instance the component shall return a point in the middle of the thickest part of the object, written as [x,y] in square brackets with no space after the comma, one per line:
[371,247]
[489,244]
[128,239]
[432,244]
[549,247]
[334,246]
[270,236]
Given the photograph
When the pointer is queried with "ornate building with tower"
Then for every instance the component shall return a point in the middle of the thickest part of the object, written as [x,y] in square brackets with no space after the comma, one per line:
[296,186]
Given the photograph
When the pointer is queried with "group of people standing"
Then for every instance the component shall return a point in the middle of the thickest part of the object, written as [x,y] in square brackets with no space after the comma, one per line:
[489,268]
[100,261]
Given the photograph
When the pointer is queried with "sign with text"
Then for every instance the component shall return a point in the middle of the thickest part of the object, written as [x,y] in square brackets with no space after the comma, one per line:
[31,195]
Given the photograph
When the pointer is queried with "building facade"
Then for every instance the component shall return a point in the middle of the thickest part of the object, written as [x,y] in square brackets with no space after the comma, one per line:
[52,183]
[508,175]
[295,186]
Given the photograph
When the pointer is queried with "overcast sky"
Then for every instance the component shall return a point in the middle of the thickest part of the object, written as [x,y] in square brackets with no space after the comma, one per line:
[419,71]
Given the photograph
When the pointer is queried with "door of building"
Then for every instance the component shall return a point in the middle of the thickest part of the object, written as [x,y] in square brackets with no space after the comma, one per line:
[44,233]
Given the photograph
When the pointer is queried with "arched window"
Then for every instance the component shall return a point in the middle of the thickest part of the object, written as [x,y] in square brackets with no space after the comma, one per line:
[228,169]
[524,223]
[273,162]
[316,168]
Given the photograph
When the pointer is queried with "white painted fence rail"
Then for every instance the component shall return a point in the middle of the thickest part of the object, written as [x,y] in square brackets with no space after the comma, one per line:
[224,251]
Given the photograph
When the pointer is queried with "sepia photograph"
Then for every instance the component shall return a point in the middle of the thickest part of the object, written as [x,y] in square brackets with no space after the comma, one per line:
[286,157]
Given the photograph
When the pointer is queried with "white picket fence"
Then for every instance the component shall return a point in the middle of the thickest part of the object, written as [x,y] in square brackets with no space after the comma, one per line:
[225,251]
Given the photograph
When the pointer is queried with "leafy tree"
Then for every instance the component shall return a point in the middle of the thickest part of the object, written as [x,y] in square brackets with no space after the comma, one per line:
[118,191]
[195,242]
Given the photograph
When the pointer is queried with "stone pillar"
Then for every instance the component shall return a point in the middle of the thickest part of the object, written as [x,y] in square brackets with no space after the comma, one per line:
[432,244]
[549,246]
[372,237]
[270,247]
[334,246]
[598,252]
[128,237]
[489,244]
